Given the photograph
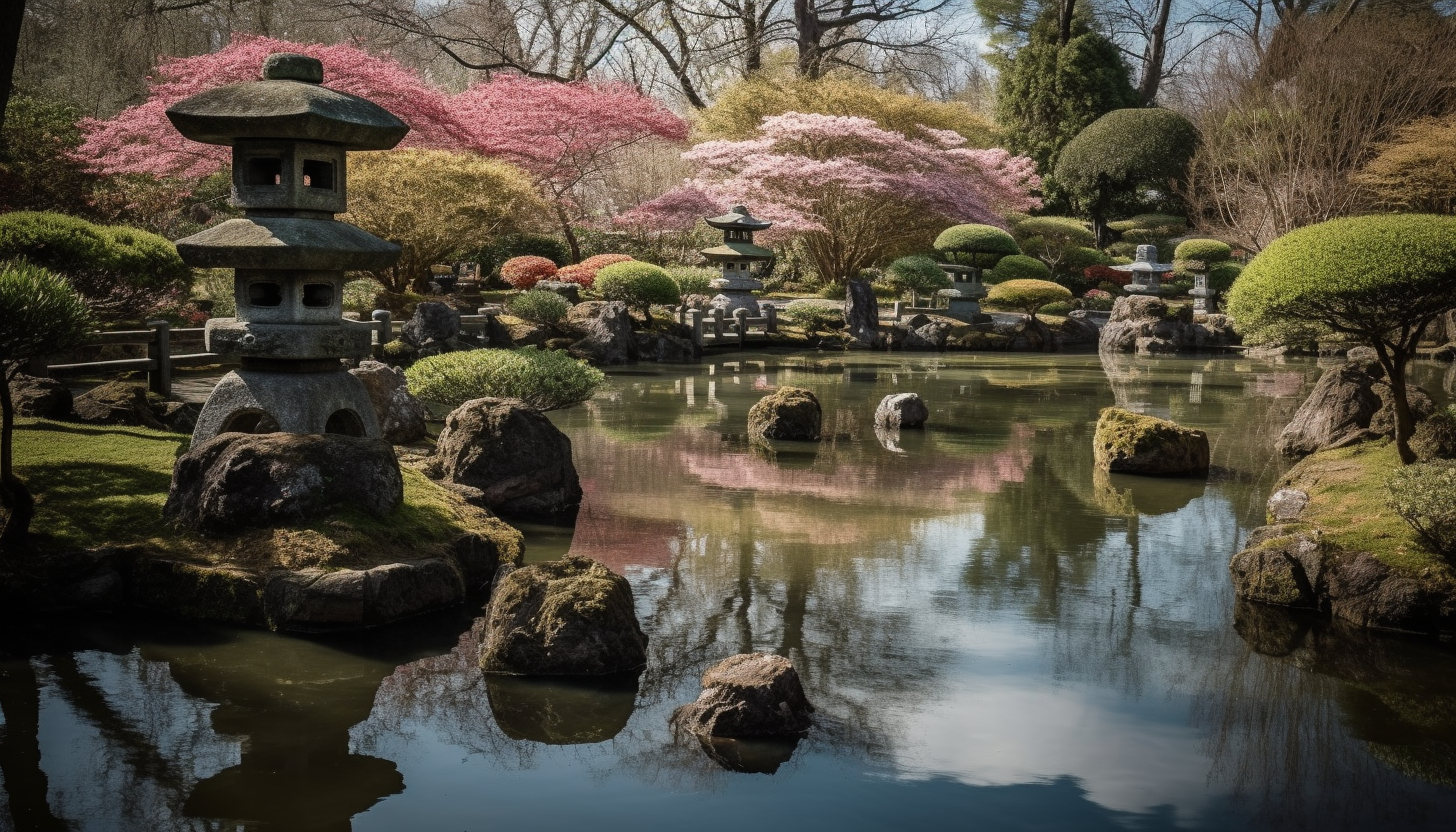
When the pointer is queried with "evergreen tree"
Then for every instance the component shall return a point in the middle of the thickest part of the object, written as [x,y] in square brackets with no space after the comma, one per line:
[1049,91]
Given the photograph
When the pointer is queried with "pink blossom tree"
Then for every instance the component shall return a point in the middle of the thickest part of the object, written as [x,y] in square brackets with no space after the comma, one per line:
[566,135]
[856,193]
[140,139]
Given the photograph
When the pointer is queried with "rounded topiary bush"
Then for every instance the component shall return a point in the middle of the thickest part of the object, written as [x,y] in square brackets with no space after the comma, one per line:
[525,272]
[637,284]
[916,273]
[1065,231]
[1018,267]
[1203,251]
[973,244]
[543,379]
[1435,438]
[692,280]
[540,307]
[1028,295]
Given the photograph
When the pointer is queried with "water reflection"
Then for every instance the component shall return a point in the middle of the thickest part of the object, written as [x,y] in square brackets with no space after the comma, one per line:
[992,631]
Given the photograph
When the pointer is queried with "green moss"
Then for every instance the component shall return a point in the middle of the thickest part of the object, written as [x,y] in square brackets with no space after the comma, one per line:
[1347,495]
[106,485]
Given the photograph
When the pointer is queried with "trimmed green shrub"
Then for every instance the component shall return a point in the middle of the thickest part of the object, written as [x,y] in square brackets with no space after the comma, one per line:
[1424,495]
[1203,250]
[1058,307]
[359,295]
[1019,267]
[1377,278]
[813,315]
[124,273]
[1059,231]
[1123,153]
[1435,438]
[398,350]
[1028,295]
[1170,223]
[543,379]
[972,244]
[637,284]
[525,272]
[493,256]
[916,273]
[540,306]
[692,280]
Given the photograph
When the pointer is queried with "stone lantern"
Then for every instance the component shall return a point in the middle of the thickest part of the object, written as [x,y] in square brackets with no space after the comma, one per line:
[964,296]
[736,258]
[289,137]
[1147,272]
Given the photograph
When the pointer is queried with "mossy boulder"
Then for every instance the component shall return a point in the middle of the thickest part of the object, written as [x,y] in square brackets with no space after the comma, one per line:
[787,413]
[116,403]
[571,617]
[748,695]
[1133,443]
[41,397]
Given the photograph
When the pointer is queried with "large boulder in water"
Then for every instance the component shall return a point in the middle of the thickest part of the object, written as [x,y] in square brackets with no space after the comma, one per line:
[787,413]
[40,397]
[519,461]
[1134,443]
[568,617]
[1351,403]
[245,480]
[748,695]
[604,332]
[901,410]
[401,416]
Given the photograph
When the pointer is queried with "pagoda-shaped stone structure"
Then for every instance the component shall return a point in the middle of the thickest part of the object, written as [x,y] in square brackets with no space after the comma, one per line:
[289,137]
[736,258]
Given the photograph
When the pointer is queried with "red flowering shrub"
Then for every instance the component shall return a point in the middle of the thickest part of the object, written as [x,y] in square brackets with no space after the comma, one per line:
[584,273]
[525,272]
[1106,274]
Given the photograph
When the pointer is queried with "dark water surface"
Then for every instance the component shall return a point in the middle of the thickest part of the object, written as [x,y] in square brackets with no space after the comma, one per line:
[995,635]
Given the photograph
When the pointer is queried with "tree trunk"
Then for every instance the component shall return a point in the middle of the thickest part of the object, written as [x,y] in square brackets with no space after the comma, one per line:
[1064,20]
[1155,54]
[1394,362]
[571,242]
[12,16]
[14,496]
[807,36]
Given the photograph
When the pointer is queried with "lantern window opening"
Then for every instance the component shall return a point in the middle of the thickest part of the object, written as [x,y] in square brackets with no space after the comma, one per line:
[264,171]
[265,293]
[318,295]
[250,420]
[318,174]
[344,422]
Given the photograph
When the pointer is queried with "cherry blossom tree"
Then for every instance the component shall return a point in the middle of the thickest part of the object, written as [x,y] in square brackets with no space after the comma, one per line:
[568,136]
[140,139]
[856,193]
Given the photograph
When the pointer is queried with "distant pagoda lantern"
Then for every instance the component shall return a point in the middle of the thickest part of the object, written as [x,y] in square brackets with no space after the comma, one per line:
[289,137]
[736,258]
[1147,272]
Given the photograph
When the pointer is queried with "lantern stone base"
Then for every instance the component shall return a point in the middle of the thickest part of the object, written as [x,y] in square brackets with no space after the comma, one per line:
[260,401]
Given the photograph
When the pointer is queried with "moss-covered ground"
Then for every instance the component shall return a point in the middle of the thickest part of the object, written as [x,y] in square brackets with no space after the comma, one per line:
[106,485]
[1347,493]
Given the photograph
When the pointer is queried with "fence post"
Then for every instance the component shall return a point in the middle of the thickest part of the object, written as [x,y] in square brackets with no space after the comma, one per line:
[898,309]
[717,322]
[771,318]
[740,318]
[695,320]
[159,350]
[382,331]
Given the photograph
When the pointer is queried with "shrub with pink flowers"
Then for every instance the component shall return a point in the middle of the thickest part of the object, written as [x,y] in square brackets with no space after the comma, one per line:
[524,272]
[584,274]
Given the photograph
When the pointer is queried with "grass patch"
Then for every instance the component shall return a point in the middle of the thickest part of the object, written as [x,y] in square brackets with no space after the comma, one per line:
[105,486]
[1347,495]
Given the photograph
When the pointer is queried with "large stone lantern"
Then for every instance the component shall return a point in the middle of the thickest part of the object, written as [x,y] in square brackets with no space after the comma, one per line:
[736,258]
[289,137]
[1147,272]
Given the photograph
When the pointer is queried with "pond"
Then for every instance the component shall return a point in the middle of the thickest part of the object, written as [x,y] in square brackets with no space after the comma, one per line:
[994,634]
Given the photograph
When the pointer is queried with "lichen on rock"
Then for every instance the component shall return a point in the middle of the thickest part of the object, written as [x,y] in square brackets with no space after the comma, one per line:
[1134,443]
[791,413]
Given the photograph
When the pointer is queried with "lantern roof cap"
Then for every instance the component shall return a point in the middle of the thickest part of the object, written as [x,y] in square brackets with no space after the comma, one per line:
[737,250]
[287,104]
[738,219]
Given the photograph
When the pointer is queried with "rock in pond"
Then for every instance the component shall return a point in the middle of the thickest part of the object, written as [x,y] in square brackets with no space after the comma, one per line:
[243,480]
[571,617]
[519,461]
[1351,403]
[1134,443]
[604,332]
[901,410]
[748,695]
[787,413]
[401,416]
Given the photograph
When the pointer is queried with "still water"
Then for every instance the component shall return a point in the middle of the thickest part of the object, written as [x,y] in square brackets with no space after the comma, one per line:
[995,635]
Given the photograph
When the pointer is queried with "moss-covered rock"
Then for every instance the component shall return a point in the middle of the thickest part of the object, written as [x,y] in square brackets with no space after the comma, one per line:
[568,617]
[787,413]
[748,695]
[1133,443]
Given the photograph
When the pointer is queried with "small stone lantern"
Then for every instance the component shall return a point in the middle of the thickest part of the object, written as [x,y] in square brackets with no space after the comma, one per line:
[1200,292]
[289,137]
[736,258]
[964,296]
[1147,273]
